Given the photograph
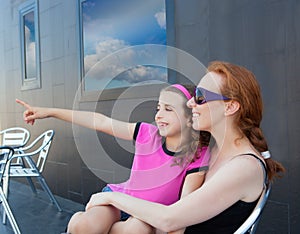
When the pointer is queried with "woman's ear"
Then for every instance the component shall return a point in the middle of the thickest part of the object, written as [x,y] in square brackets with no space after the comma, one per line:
[231,107]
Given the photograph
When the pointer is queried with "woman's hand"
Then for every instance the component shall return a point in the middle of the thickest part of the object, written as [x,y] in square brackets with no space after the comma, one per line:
[99,199]
[32,113]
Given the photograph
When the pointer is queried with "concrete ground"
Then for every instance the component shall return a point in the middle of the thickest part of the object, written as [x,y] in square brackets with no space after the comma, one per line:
[35,214]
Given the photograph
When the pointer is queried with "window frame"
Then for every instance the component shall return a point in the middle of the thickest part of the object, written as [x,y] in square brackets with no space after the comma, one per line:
[24,9]
[149,90]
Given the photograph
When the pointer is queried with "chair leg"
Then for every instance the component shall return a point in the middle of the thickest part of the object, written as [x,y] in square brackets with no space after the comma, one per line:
[4,217]
[5,185]
[8,212]
[30,182]
[50,194]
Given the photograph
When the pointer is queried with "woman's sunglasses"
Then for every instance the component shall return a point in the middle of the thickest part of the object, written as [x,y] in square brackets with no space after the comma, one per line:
[202,96]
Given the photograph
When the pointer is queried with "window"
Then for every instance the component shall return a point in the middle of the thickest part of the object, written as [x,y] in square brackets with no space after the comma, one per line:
[29,32]
[122,43]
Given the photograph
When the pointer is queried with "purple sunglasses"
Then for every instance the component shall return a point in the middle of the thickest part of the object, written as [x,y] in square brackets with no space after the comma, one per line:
[202,96]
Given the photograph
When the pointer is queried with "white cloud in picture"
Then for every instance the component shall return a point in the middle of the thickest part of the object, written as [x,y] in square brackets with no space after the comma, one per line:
[161,19]
[127,66]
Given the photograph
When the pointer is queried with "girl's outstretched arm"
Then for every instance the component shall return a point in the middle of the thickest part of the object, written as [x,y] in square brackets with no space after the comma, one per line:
[86,119]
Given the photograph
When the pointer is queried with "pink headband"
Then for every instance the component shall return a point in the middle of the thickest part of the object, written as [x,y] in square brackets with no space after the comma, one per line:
[183,90]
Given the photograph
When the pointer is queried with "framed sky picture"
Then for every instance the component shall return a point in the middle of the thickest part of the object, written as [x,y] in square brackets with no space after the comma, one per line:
[122,43]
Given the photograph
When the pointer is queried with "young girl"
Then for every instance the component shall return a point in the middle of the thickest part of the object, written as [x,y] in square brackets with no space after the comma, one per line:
[228,104]
[164,155]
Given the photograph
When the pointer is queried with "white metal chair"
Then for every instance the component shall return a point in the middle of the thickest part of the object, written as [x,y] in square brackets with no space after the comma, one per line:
[14,137]
[251,223]
[29,168]
[5,155]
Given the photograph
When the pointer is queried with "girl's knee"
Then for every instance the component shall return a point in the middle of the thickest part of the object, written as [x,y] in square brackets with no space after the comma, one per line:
[82,223]
[96,220]
[137,226]
[76,222]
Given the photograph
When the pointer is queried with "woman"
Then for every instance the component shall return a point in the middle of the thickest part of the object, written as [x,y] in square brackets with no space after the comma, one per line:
[228,104]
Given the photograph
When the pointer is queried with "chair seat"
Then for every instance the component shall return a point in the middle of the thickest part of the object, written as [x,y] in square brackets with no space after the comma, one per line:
[21,172]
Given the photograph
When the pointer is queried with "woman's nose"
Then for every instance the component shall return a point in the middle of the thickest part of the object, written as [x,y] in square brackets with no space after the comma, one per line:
[191,103]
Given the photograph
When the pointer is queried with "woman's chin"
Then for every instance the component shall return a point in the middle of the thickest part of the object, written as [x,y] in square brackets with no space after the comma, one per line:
[199,127]
[196,125]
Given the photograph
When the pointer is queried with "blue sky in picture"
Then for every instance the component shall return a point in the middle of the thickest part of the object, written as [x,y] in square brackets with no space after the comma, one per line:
[134,22]
[111,25]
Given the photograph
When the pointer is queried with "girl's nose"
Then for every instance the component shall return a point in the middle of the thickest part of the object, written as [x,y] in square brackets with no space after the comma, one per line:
[158,114]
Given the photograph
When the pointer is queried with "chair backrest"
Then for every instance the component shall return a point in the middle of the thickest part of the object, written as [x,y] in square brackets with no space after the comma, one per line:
[48,137]
[6,153]
[41,145]
[251,223]
[15,137]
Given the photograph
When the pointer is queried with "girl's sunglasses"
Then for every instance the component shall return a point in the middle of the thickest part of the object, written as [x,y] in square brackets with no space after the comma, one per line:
[202,96]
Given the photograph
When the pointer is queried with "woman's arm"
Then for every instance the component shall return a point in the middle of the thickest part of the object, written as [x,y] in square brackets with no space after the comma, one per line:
[191,183]
[86,119]
[218,193]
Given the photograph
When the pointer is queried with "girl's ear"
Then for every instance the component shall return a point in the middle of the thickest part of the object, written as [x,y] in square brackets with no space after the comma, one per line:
[231,107]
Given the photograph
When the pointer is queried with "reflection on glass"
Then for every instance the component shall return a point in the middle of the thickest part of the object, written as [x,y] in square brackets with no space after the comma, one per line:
[29,46]
[110,26]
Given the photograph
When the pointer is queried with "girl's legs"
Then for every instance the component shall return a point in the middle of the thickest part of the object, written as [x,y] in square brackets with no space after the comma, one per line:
[97,220]
[131,225]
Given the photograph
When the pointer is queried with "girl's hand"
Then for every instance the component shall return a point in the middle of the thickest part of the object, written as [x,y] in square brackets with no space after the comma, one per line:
[99,199]
[32,113]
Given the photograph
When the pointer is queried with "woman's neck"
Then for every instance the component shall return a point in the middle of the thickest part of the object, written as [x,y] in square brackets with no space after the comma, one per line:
[231,142]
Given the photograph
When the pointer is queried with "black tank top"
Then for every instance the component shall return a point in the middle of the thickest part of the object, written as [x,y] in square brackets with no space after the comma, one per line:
[228,221]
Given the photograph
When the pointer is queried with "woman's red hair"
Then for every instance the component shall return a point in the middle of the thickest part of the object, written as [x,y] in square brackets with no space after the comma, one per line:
[241,85]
